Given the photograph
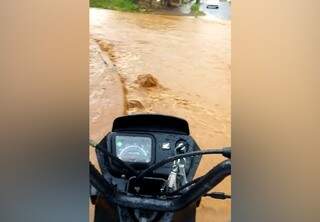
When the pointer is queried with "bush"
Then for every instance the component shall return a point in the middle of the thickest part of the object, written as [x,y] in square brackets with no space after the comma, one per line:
[121,5]
[195,9]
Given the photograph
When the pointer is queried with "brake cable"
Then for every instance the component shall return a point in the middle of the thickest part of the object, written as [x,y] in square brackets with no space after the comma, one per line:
[215,195]
[177,191]
[224,151]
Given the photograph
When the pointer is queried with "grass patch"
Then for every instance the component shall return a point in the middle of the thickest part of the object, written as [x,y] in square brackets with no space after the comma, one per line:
[120,5]
[195,10]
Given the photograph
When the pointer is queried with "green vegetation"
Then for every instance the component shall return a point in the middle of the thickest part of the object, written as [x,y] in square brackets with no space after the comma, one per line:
[195,9]
[120,5]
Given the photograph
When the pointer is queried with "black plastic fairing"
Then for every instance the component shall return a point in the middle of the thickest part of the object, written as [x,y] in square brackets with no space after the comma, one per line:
[151,122]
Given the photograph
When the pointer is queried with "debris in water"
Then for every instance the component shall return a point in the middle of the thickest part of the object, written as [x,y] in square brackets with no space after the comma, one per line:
[105,46]
[135,104]
[147,81]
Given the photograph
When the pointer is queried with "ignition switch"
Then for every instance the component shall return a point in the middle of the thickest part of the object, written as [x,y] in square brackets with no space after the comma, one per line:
[181,147]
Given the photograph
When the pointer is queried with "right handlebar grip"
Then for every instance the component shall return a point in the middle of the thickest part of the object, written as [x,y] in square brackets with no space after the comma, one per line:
[227,152]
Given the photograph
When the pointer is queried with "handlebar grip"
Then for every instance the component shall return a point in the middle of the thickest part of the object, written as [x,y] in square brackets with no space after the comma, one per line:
[226,152]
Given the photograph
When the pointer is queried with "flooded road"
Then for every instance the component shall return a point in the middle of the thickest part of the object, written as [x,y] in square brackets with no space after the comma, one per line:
[174,65]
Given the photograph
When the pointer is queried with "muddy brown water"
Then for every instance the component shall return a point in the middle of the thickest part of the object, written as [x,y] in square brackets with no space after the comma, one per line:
[174,65]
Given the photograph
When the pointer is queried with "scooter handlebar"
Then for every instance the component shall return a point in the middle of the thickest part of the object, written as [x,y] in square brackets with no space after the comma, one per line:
[209,181]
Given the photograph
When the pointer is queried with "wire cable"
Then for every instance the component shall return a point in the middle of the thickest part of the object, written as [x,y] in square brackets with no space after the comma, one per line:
[170,159]
[115,158]
[177,191]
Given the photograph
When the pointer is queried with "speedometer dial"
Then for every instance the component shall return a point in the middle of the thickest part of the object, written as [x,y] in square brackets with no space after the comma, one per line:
[133,153]
[134,149]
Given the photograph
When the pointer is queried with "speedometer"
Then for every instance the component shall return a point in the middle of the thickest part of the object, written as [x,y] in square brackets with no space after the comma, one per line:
[134,149]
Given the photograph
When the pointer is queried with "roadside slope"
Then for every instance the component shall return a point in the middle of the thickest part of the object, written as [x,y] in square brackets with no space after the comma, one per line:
[106,98]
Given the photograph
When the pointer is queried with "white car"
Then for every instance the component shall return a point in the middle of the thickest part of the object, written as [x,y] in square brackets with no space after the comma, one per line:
[212,4]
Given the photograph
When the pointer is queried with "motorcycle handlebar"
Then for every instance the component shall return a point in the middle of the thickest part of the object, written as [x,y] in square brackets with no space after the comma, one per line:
[210,180]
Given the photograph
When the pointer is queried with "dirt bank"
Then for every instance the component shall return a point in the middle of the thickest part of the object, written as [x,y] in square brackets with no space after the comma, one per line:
[177,66]
[104,82]
[106,92]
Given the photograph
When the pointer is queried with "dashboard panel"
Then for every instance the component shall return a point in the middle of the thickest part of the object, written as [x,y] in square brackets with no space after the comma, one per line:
[141,149]
[142,141]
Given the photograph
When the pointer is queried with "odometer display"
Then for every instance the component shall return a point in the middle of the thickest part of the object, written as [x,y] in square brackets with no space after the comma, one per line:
[134,149]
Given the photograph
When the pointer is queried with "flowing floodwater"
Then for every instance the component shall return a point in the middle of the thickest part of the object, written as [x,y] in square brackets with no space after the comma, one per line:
[174,65]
